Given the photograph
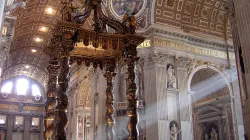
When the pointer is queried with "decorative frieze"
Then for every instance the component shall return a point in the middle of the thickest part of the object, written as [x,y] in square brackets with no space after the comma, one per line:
[180,46]
[191,39]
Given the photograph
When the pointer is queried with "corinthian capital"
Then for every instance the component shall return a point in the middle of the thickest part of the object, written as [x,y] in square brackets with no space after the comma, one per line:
[158,58]
[182,62]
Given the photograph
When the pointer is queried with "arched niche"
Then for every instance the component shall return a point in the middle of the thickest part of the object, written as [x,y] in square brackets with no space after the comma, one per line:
[210,98]
[174,130]
[171,79]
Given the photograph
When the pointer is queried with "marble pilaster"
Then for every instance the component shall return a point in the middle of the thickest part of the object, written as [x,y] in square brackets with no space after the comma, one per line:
[151,101]
[93,105]
[27,124]
[237,105]
[239,21]
[100,123]
[41,128]
[74,117]
[184,99]
[10,124]
[162,102]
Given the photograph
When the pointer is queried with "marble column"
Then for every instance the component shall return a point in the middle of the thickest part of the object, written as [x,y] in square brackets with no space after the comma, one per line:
[10,125]
[184,99]
[27,123]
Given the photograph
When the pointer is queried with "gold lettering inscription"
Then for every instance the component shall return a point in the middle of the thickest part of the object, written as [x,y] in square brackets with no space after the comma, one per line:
[192,49]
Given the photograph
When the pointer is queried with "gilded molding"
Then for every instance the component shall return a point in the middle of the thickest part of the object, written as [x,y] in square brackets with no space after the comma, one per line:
[153,31]
[191,49]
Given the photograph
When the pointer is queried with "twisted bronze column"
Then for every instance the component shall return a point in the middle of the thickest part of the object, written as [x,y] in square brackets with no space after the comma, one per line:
[51,100]
[62,98]
[109,75]
[130,57]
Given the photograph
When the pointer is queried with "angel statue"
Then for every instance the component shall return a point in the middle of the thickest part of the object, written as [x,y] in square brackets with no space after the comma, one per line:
[130,21]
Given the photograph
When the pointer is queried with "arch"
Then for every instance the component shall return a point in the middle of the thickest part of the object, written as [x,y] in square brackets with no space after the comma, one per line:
[207,108]
[190,77]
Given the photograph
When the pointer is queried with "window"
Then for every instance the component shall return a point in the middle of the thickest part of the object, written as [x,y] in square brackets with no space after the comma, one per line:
[35,121]
[2,119]
[35,90]
[7,87]
[19,120]
[22,86]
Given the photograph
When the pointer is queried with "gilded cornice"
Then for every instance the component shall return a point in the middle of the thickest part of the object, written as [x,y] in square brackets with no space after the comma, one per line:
[190,49]
[24,108]
[160,32]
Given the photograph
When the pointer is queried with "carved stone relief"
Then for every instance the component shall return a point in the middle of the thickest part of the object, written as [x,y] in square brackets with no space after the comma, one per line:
[193,63]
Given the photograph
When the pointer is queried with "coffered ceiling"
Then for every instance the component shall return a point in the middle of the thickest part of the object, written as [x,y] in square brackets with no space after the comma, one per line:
[33,29]
[200,16]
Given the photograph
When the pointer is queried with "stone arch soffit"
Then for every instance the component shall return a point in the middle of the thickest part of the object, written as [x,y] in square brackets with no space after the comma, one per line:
[207,108]
[223,75]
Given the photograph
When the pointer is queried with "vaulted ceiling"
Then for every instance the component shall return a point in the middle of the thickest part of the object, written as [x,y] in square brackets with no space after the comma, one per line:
[35,23]
[33,29]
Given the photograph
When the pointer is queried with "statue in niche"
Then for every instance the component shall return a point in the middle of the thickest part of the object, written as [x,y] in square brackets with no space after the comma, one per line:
[174,132]
[213,134]
[171,79]
[206,136]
